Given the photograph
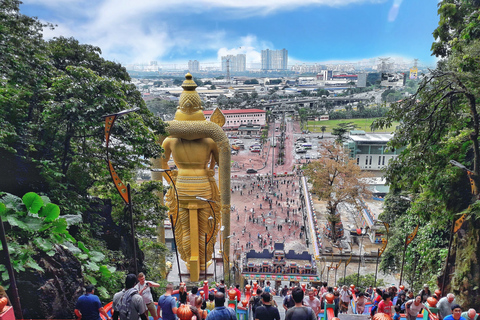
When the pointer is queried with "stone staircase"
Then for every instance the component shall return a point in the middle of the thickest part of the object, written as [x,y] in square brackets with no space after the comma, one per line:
[343,316]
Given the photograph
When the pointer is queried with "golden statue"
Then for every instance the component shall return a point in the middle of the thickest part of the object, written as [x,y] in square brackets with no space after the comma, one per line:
[196,146]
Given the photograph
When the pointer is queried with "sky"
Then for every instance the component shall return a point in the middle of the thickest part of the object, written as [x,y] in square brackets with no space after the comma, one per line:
[313,31]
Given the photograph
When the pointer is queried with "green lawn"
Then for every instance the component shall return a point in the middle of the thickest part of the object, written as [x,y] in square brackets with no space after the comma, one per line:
[362,124]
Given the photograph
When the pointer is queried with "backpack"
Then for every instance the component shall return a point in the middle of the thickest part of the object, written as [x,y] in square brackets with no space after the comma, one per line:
[267,289]
[256,303]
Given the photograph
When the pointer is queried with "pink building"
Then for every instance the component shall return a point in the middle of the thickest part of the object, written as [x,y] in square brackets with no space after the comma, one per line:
[240,117]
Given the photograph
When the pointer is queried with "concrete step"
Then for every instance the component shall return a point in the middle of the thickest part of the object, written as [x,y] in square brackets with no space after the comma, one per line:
[346,316]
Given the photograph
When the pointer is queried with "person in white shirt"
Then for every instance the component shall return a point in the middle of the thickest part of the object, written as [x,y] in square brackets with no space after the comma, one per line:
[345,296]
[143,288]
[413,307]
[313,302]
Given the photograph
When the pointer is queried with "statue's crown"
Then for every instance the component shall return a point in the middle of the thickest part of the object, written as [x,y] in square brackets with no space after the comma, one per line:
[190,105]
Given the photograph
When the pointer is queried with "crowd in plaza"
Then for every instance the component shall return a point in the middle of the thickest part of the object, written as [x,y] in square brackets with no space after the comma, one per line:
[274,206]
[135,302]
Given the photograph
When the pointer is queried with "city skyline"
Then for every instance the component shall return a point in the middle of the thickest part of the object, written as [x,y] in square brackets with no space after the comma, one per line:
[314,31]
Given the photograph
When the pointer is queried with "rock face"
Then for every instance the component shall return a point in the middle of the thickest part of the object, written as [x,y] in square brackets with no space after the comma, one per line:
[464,265]
[53,293]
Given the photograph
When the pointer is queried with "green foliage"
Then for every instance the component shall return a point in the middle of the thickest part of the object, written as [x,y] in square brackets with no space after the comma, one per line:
[364,281]
[251,81]
[53,96]
[34,225]
[458,26]
[361,113]
[161,107]
[341,130]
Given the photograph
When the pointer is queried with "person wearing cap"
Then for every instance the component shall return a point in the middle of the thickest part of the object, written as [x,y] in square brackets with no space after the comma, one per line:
[444,305]
[425,293]
[456,313]
[471,314]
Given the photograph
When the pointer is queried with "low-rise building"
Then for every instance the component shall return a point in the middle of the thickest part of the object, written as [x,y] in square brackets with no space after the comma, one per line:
[370,149]
[236,118]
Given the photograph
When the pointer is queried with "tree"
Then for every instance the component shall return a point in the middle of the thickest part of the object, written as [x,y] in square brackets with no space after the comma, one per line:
[337,179]
[323,128]
[222,100]
[303,113]
[251,81]
[341,130]
[213,87]
[54,95]
[364,281]
[439,123]
[162,108]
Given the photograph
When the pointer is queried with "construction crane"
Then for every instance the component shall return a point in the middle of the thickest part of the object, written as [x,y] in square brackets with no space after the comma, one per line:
[384,65]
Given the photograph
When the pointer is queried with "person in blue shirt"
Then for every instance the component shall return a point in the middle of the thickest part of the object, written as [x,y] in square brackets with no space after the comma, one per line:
[456,313]
[397,316]
[167,305]
[221,312]
[89,307]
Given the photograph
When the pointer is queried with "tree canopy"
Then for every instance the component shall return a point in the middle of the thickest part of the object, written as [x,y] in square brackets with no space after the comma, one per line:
[438,124]
[336,179]
[54,95]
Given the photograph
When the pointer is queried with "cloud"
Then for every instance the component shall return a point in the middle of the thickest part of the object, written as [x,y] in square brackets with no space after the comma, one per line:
[144,30]
[248,45]
[392,14]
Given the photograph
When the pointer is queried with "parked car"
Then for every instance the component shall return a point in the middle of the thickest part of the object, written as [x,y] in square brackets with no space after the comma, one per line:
[251,171]
[255,150]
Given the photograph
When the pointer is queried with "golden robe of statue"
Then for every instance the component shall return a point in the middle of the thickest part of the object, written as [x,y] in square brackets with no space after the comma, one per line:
[193,144]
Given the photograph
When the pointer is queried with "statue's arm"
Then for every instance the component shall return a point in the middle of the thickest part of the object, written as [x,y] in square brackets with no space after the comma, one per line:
[214,154]
[166,156]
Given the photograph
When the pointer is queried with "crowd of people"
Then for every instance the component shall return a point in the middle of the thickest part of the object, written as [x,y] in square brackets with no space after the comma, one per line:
[275,206]
[136,302]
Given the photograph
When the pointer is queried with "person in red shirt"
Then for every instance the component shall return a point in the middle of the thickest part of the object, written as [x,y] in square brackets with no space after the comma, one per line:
[385,306]
[239,293]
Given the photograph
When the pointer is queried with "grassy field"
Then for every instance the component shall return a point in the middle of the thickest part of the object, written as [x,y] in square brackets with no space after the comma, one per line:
[362,124]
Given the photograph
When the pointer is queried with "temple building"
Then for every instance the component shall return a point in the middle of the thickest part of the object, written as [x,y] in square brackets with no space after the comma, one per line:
[278,265]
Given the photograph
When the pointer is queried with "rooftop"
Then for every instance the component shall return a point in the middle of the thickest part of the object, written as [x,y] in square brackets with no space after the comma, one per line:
[235,111]
[371,137]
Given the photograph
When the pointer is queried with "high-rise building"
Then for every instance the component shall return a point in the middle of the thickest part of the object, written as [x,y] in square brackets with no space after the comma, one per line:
[241,62]
[237,63]
[193,66]
[274,59]
[362,80]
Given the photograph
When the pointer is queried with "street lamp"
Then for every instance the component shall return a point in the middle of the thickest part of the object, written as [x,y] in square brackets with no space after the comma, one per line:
[226,258]
[213,231]
[362,233]
[166,171]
